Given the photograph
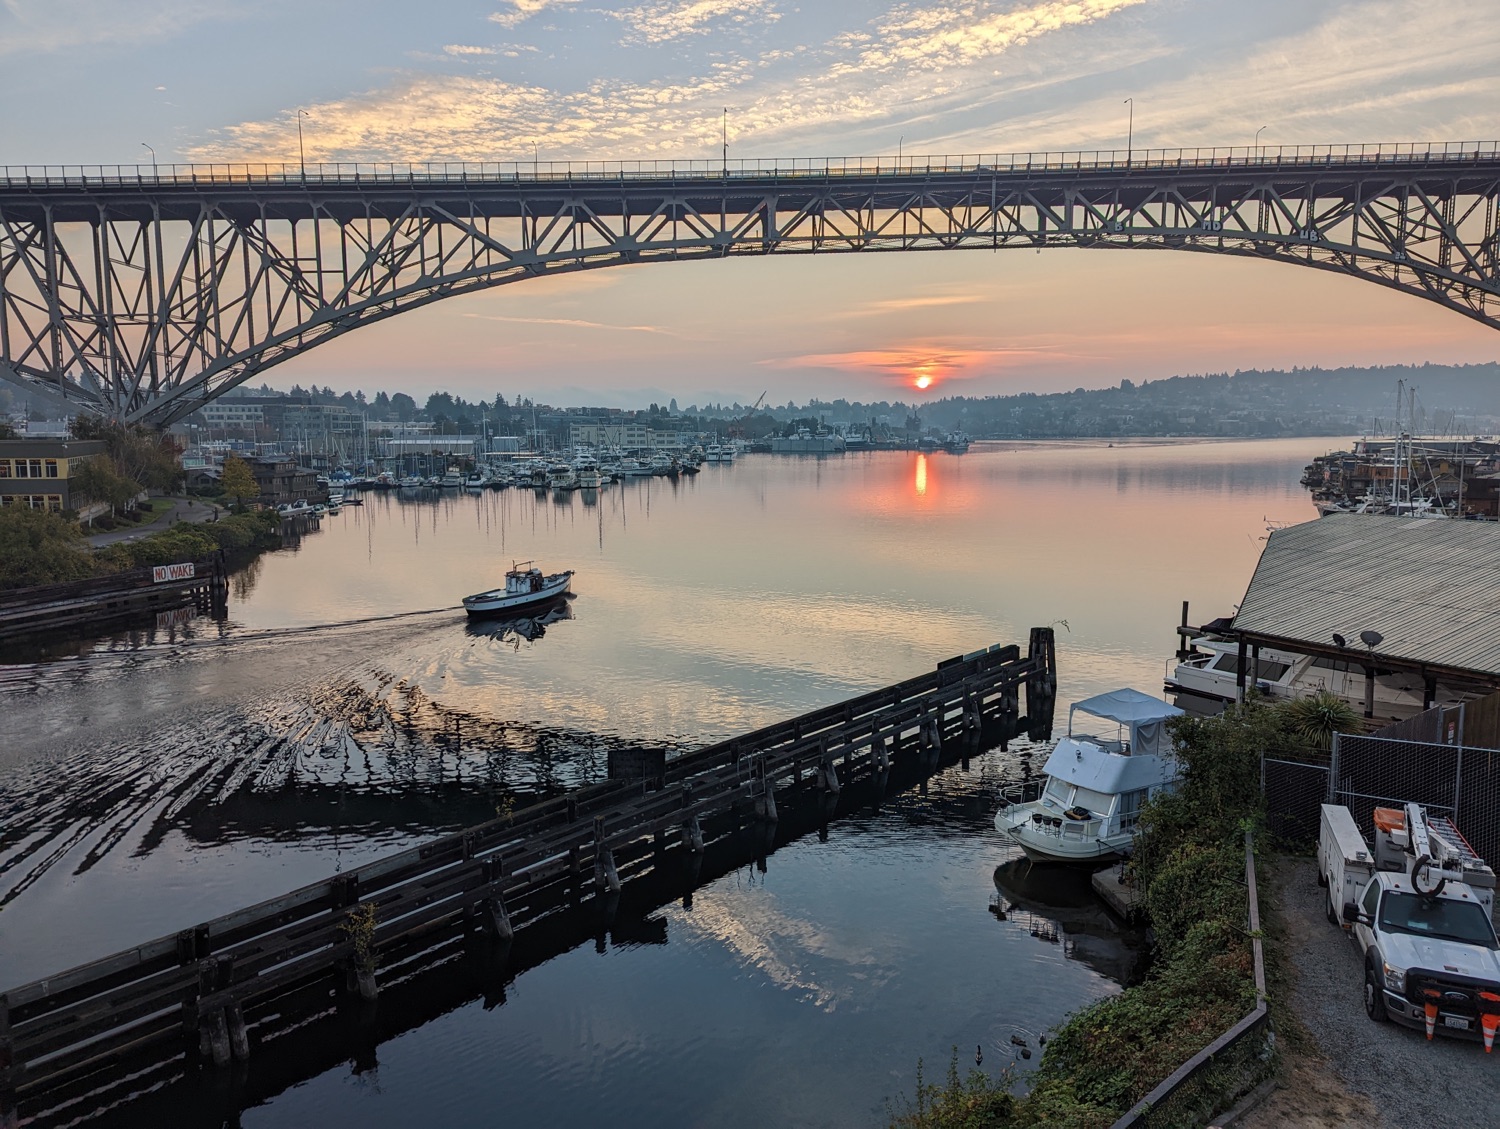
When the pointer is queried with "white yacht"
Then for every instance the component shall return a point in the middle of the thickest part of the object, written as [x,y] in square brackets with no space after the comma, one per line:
[1089,799]
[412,482]
[586,468]
[477,480]
[452,477]
[727,451]
[713,453]
[661,463]
[560,476]
[1208,679]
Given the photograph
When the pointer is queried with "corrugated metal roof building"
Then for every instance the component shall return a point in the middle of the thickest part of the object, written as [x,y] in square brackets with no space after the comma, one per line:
[1429,588]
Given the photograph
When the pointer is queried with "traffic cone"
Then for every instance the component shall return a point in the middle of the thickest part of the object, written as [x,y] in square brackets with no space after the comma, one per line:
[1490,1023]
[1430,1013]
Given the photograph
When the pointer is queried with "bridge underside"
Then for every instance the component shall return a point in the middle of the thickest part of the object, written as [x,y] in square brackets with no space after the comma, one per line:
[144,304]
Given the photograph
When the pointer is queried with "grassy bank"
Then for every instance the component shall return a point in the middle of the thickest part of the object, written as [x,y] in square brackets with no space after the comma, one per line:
[1190,863]
[37,547]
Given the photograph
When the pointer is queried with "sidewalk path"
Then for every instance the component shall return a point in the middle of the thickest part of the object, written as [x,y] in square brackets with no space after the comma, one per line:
[183,509]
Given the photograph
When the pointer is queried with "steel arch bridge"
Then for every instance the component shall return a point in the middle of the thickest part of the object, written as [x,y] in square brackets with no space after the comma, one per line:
[143,292]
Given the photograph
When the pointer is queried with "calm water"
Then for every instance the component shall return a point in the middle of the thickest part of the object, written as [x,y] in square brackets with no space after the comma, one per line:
[347,710]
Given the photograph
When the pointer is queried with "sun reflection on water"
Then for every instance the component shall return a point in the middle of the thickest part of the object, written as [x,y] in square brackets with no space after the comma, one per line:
[921,475]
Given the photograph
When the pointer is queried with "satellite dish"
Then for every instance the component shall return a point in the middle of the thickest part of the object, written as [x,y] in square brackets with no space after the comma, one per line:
[1339,640]
[1371,639]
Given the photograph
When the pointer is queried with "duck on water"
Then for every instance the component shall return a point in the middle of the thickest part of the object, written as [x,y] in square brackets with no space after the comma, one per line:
[525,586]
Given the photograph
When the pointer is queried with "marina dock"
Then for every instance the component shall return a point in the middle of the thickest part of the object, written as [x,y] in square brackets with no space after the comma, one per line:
[210,994]
[203,585]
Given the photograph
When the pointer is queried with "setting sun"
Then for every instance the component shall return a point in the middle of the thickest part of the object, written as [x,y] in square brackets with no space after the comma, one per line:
[924,381]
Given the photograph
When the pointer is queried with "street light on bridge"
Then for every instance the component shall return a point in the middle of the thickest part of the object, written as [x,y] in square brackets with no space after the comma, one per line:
[1130,131]
[153,159]
[301,152]
[1258,132]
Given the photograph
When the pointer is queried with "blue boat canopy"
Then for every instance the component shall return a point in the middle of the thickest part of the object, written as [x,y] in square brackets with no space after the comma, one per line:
[1143,713]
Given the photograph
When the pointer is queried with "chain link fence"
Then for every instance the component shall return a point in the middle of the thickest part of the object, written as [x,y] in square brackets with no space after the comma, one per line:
[1365,773]
[1294,792]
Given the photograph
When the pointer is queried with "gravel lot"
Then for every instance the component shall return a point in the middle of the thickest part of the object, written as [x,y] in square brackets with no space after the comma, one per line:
[1409,1080]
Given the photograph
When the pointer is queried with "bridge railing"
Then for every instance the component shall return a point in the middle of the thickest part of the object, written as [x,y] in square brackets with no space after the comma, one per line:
[489,172]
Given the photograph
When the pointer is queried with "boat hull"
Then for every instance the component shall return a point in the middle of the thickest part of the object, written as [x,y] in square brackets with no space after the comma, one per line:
[500,603]
[1075,843]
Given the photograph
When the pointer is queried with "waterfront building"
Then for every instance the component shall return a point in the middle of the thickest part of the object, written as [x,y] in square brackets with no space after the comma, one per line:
[1395,600]
[282,480]
[36,472]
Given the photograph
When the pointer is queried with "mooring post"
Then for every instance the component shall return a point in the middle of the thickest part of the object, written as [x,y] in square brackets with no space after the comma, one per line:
[1041,683]
[692,836]
[239,1035]
[606,877]
[496,918]
[828,776]
[218,1037]
[765,802]
[883,754]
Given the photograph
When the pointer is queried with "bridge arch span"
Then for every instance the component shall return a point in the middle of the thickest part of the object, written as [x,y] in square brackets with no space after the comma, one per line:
[144,296]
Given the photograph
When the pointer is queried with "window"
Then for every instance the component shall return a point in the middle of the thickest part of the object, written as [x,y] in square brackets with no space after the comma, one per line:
[1269,670]
[1443,918]
[51,468]
[1370,897]
[1130,808]
[4,468]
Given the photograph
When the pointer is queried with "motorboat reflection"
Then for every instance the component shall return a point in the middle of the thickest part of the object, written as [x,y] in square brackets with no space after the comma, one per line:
[1057,905]
[528,627]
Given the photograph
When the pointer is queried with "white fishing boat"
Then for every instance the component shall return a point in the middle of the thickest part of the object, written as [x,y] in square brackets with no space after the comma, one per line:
[1089,799]
[452,477]
[560,476]
[525,586]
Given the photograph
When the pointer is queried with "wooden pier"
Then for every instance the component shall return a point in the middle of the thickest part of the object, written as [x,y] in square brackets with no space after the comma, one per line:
[210,993]
[53,607]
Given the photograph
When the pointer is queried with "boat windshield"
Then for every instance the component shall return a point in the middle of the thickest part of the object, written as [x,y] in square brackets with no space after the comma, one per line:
[1441,918]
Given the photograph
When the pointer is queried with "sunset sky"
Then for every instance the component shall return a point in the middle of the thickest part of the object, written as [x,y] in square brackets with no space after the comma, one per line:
[90,81]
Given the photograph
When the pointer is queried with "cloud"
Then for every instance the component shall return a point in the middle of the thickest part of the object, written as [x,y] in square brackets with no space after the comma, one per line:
[955,35]
[44,26]
[653,24]
[522,10]
[462,50]
[575,323]
[907,363]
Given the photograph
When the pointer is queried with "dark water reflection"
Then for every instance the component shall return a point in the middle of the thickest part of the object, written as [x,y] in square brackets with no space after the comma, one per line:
[347,709]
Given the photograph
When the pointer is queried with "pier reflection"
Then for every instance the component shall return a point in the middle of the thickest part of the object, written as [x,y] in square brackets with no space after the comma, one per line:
[1057,905]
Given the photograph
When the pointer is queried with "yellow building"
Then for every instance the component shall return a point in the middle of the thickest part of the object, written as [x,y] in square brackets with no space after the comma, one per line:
[35,472]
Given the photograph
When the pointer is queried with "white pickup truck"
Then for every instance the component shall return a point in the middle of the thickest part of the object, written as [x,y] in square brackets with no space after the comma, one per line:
[1419,907]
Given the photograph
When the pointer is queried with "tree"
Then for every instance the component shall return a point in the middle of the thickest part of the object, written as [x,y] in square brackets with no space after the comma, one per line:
[404,407]
[98,479]
[37,547]
[1317,717]
[238,481]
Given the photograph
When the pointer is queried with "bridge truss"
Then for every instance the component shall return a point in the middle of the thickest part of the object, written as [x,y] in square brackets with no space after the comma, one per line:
[142,294]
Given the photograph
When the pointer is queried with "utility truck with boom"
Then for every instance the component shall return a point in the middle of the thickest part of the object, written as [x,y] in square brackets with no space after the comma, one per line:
[1419,907]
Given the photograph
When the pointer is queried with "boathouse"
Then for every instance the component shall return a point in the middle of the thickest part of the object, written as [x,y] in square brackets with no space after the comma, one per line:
[1381,594]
